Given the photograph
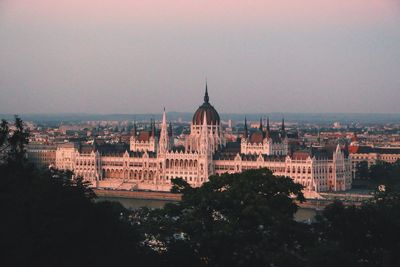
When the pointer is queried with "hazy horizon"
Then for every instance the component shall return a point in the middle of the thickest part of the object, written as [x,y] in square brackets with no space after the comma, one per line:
[324,118]
[136,57]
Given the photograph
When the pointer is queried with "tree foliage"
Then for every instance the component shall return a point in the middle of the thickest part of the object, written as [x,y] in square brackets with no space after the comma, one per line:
[13,140]
[362,170]
[50,218]
[368,235]
[241,219]
[383,173]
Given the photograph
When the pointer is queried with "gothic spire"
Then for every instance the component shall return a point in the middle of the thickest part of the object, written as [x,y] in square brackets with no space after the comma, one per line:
[246,134]
[261,126]
[94,144]
[153,128]
[164,118]
[283,128]
[134,128]
[163,141]
[206,98]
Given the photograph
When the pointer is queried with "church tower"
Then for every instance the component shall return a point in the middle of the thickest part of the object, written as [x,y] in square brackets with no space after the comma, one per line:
[164,139]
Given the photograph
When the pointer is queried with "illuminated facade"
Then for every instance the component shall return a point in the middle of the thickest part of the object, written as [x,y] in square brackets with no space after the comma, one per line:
[151,161]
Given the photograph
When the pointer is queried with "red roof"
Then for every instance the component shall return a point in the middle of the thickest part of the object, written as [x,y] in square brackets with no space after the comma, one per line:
[353,149]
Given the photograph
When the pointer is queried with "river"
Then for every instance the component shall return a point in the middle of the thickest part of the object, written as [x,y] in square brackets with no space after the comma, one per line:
[303,214]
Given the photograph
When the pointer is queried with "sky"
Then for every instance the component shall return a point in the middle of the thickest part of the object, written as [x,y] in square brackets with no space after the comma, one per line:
[258,56]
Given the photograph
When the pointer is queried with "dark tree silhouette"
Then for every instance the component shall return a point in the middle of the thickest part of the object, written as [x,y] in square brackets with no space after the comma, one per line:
[241,219]
[368,235]
[49,218]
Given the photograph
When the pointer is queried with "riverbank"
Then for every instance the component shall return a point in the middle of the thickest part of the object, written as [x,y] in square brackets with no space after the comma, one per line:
[144,195]
[315,204]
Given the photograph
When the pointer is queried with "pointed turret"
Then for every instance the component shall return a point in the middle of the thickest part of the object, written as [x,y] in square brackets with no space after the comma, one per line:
[153,128]
[338,149]
[94,144]
[283,128]
[206,98]
[163,143]
[268,129]
[346,149]
[261,125]
[246,132]
[134,129]
[164,118]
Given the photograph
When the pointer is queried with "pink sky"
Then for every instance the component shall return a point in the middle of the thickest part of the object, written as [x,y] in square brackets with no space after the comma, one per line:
[212,11]
[339,55]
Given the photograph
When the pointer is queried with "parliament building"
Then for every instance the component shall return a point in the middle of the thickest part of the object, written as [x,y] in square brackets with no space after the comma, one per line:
[151,160]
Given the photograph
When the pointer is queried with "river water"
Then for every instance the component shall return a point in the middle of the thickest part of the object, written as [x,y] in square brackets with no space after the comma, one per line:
[303,214]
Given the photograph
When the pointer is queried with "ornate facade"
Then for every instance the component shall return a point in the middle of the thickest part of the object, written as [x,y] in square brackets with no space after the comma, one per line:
[151,160]
[371,155]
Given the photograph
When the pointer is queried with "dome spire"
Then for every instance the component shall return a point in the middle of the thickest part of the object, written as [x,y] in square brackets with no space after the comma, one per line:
[206,98]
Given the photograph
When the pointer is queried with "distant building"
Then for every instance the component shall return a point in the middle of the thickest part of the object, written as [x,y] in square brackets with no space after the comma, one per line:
[151,160]
[371,155]
[41,155]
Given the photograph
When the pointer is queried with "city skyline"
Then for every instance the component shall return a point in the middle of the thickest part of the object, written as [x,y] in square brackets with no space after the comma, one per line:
[258,57]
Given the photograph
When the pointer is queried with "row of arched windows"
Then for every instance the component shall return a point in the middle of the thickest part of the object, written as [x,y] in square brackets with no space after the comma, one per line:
[180,163]
[299,170]
[85,162]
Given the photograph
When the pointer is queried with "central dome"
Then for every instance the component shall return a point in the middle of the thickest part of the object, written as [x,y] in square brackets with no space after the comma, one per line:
[209,110]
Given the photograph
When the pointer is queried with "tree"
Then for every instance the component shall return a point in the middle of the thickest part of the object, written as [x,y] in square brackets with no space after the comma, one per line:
[243,219]
[13,141]
[4,130]
[368,235]
[49,218]
[362,170]
[384,173]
